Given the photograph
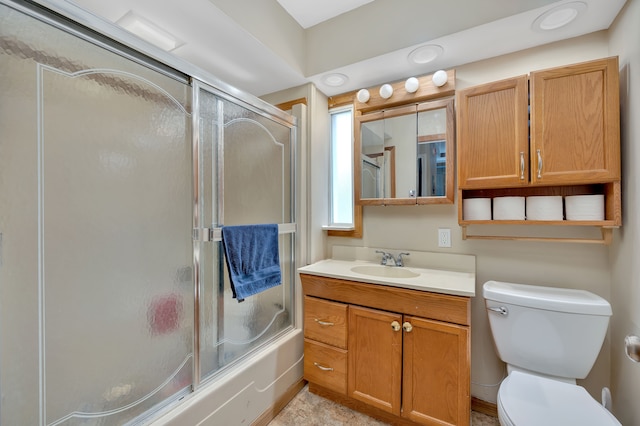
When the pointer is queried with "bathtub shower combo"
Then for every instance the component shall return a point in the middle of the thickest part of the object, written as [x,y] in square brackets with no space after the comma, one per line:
[117,173]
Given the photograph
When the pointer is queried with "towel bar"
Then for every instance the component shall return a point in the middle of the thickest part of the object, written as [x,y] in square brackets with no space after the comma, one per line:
[215,234]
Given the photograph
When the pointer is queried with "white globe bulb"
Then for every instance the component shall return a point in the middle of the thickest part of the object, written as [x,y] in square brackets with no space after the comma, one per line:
[439,78]
[411,85]
[363,96]
[386,91]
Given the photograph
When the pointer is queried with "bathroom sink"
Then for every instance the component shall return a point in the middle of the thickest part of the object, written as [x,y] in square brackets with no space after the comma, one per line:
[384,271]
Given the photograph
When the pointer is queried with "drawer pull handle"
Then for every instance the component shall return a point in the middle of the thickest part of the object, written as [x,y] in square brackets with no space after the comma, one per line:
[322,367]
[521,165]
[323,323]
[395,326]
[407,327]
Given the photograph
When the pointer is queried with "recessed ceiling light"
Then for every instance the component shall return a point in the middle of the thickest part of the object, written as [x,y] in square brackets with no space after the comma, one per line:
[334,79]
[425,54]
[559,16]
[148,31]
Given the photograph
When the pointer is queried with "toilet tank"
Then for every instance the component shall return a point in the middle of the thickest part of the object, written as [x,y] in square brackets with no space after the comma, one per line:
[548,330]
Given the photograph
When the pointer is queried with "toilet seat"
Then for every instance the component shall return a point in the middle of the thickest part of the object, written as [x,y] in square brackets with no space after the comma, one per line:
[529,400]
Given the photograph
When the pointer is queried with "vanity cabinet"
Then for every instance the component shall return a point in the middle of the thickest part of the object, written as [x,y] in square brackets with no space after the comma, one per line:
[554,132]
[407,351]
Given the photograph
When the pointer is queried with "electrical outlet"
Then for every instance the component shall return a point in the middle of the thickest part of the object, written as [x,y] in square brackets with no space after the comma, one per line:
[444,237]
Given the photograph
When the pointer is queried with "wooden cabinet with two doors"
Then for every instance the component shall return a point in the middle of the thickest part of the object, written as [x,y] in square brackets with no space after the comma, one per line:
[553,132]
[399,355]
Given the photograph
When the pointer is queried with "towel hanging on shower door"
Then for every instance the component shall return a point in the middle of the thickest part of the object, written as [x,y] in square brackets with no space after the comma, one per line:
[253,261]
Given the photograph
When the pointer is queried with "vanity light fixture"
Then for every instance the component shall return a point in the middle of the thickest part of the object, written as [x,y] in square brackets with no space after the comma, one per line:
[425,54]
[334,79]
[148,31]
[411,85]
[440,78]
[559,16]
[363,96]
[386,90]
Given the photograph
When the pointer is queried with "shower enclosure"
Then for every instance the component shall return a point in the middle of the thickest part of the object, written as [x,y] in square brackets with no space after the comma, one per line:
[116,174]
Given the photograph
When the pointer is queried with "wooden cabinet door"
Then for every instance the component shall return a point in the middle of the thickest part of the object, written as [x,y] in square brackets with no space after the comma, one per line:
[575,134]
[436,378]
[375,358]
[493,135]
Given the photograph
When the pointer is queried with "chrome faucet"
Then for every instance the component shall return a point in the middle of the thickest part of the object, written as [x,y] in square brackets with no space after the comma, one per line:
[388,256]
[385,257]
[399,261]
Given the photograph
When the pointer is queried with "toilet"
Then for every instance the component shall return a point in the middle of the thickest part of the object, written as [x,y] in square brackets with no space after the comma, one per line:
[548,337]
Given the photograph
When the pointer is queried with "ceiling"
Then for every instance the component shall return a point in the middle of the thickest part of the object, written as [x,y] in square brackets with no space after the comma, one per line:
[311,12]
[263,46]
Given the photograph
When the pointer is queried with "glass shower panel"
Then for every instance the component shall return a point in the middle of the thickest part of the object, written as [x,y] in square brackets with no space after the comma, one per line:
[96,293]
[252,174]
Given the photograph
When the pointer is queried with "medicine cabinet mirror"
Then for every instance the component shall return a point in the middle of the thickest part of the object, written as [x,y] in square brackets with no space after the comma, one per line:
[406,155]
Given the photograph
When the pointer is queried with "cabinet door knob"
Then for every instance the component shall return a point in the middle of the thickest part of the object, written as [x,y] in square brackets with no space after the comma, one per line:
[521,165]
[395,326]
[323,323]
[407,327]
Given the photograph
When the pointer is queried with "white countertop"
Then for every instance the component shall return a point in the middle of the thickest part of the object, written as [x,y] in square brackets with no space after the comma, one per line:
[457,283]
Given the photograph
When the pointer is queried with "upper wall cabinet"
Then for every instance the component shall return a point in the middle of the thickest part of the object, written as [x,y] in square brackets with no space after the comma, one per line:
[575,124]
[493,135]
[406,154]
[555,132]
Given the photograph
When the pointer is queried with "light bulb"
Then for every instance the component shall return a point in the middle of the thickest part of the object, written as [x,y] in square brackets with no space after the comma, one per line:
[439,78]
[363,96]
[411,85]
[386,91]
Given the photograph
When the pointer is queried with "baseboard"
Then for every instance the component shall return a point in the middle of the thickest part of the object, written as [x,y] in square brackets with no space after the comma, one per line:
[484,407]
[273,411]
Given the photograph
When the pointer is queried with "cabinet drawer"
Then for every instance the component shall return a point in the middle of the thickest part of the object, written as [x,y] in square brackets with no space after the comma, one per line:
[326,366]
[325,321]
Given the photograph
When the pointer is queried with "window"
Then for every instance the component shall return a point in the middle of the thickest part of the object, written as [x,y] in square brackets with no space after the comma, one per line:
[341,168]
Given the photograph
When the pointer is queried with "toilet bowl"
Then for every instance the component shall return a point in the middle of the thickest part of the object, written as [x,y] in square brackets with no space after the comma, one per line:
[530,400]
[548,337]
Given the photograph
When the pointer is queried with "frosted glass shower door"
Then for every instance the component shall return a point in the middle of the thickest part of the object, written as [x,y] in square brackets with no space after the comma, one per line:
[246,167]
[96,289]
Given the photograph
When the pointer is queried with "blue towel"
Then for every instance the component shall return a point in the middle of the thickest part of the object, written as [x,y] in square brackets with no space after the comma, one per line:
[251,252]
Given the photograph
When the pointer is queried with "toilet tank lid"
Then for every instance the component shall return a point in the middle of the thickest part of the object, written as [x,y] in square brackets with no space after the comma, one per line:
[548,298]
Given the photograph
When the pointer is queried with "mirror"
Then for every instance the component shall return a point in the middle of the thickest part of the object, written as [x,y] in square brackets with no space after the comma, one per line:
[406,155]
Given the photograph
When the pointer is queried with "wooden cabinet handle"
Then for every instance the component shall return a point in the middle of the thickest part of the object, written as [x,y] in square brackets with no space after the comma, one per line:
[521,165]
[322,367]
[395,326]
[323,323]
[539,164]
[407,327]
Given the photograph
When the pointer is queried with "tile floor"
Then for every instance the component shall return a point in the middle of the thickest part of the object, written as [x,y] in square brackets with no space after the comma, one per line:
[308,409]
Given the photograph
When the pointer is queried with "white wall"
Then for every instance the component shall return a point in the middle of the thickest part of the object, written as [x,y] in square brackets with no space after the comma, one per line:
[625,290]
[556,264]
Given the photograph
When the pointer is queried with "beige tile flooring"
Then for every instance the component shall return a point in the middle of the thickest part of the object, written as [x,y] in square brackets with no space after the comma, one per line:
[307,409]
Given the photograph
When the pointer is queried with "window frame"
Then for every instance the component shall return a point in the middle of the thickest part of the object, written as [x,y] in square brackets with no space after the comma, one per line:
[333,230]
